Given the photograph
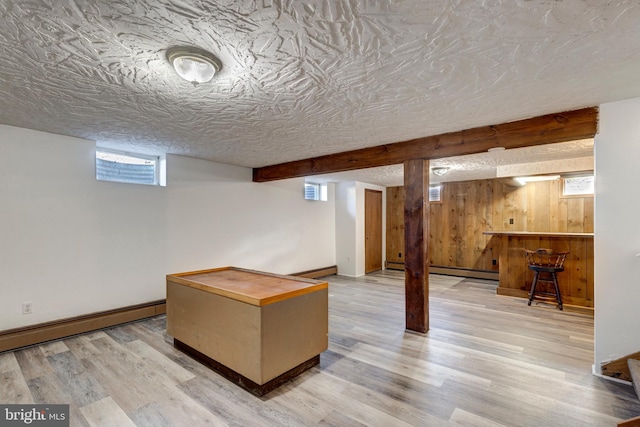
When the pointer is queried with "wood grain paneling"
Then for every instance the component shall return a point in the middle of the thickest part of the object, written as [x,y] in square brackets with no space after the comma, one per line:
[469,208]
[576,281]
[395,225]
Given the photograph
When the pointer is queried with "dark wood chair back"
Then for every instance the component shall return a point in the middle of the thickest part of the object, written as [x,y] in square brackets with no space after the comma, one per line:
[545,258]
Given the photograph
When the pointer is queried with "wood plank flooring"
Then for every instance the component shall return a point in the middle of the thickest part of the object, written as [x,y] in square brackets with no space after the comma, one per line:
[487,361]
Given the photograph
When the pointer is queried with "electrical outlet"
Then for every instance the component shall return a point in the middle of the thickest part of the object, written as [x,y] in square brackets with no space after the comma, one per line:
[399,254]
[510,220]
[27,307]
[494,262]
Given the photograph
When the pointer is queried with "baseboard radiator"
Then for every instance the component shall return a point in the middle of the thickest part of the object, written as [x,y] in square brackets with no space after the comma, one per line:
[450,271]
[35,334]
[12,339]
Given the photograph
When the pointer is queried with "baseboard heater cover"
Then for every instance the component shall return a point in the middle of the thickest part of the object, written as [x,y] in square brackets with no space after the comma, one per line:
[451,271]
[25,336]
[12,339]
[318,272]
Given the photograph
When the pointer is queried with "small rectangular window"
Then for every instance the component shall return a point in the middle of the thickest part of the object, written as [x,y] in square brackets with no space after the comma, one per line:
[127,167]
[434,193]
[314,191]
[578,186]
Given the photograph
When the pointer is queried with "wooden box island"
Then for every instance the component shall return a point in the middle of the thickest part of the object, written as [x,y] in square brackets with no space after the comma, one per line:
[256,329]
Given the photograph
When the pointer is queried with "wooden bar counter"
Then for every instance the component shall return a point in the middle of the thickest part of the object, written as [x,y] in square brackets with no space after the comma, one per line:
[257,329]
[576,281]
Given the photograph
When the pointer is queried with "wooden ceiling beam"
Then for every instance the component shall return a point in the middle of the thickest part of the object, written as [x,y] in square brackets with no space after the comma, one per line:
[548,129]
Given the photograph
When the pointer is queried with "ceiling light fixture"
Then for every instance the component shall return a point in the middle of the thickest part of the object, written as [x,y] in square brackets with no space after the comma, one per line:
[439,171]
[522,180]
[193,64]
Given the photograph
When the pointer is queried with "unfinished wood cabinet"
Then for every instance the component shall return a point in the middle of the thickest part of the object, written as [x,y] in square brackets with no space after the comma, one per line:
[257,329]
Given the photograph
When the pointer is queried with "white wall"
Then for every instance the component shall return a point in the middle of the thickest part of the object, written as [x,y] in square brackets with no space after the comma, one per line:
[350,251]
[346,228]
[72,245]
[217,216]
[617,231]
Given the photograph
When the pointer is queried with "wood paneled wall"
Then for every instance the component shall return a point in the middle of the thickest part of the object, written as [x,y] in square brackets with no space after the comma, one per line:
[395,225]
[576,281]
[470,207]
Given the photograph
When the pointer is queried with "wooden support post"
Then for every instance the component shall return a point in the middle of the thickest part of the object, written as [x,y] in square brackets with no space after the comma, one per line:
[416,244]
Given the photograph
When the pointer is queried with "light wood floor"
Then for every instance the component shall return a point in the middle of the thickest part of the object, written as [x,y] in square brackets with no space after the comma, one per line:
[487,361]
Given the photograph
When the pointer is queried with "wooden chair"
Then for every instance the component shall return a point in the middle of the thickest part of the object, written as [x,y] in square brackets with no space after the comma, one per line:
[545,264]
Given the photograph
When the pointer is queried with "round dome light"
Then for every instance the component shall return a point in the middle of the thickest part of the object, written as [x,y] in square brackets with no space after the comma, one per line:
[440,171]
[193,64]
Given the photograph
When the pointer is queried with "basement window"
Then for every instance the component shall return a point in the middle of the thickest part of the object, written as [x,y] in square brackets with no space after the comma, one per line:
[131,168]
[578,186]
[434,193]
[313,191]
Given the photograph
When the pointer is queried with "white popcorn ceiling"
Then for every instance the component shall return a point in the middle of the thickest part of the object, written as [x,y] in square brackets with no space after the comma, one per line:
[307,78]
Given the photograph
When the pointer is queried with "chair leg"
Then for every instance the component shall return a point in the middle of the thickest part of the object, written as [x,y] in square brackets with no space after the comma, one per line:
[533,287]
[555,284]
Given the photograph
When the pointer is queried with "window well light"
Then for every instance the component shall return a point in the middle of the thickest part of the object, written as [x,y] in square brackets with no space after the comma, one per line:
[132,168]
[193,64]
[522,180]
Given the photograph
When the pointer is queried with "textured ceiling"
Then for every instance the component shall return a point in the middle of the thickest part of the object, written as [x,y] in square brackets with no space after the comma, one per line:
[306,78]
